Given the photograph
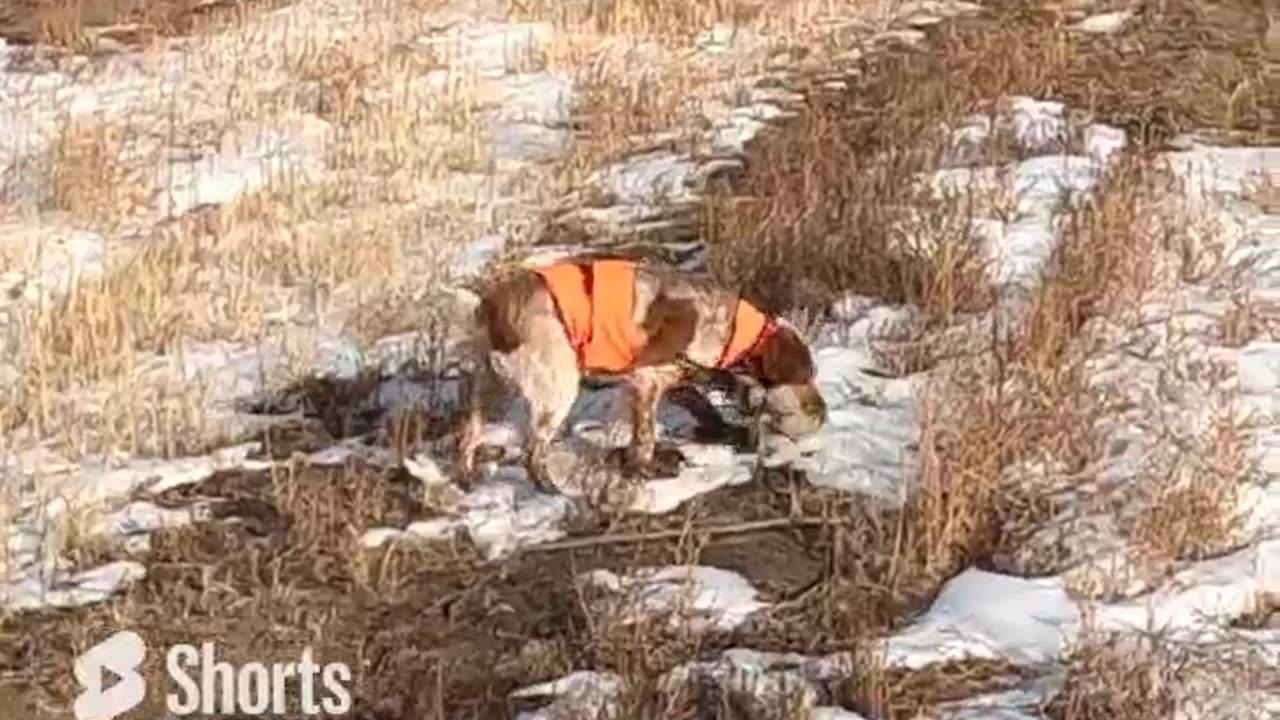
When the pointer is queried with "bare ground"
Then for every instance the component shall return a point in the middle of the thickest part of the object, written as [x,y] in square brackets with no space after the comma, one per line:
[430,628]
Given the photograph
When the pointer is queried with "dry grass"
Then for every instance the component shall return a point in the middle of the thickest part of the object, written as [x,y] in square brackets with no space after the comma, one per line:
[677,23]
[78,24]
[895,694]
[292,558]
[621,119]
[1211,72]
[1192,506]
[1117,678]
[90,176]
[242,273]
[679,93]
[1155,676]
[825,210]
[840,228]
[277,261]
[1248,319]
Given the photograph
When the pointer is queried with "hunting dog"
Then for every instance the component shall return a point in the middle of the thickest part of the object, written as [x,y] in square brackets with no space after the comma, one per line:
[541,329]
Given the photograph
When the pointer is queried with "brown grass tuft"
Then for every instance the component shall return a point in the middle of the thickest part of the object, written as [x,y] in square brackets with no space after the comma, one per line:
[78,24]
[90,176]
[675,22]
[1115,678]
[1193,499]
[894,694]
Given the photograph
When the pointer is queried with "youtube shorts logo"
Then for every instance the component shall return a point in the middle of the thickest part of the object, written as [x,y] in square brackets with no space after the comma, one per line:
[110,676]
[120,655]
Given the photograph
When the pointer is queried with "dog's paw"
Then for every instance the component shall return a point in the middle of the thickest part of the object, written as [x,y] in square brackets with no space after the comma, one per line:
[665,463]
[636,470]
[741,439]
[464,477]
[668,461]
[541,478]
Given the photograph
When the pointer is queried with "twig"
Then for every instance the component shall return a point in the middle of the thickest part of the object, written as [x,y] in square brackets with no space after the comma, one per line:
[709,530]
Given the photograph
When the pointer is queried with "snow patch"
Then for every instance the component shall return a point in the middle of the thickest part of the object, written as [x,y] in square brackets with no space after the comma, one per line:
[84,588]
[1108,23]
[249,160]
[701,598]
[575,693]
[1207,593]
[48,260]
[987,616]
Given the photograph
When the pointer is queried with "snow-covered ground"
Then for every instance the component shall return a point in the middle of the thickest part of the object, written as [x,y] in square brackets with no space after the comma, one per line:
[1031,613]
[1035,615]
[168,97]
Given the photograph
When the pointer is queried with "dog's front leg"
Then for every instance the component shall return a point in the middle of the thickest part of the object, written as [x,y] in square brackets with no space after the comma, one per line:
[478,387]
[548,379]
[647,386]
[750,400]
[545,421]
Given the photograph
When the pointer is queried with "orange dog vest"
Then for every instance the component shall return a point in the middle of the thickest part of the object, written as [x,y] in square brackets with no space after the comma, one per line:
[596,301]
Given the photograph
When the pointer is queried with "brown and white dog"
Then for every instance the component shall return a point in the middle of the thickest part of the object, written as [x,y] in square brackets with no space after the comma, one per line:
[540,329]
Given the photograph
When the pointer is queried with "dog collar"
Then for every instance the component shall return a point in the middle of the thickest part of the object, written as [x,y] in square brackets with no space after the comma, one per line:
[749,330]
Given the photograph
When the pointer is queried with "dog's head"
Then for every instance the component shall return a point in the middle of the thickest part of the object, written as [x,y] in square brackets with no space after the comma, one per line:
[783,366]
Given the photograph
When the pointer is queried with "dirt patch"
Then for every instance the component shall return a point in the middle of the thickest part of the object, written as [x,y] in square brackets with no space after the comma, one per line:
[397,411]
[279,566]
[430,630]
[776,562]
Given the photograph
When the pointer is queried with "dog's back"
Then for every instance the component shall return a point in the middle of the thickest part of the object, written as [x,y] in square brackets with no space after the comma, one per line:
[504,316]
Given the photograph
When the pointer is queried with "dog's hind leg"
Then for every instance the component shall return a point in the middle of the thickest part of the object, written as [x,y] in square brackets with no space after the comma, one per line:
[647,386]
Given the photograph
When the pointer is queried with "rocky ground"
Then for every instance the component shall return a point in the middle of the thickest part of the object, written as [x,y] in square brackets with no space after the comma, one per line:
[1035,246]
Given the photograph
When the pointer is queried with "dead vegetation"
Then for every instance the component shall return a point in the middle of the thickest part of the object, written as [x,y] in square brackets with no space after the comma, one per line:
[1186,67]
[1192,498]
[676,22]
[79,24]
[1117,678]
[408,612]
[236,274]
[90,177]
[829,206]
[906,694]
[270,264]
[827,210]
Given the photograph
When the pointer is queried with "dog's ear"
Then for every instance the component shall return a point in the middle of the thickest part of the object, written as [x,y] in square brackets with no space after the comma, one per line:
[503,307]
[785,358]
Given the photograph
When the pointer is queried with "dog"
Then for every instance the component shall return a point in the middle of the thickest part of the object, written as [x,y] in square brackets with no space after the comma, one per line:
[540,329]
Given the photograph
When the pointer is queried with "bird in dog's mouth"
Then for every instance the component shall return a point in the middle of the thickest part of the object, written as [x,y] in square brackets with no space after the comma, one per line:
[794,411]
